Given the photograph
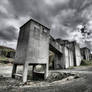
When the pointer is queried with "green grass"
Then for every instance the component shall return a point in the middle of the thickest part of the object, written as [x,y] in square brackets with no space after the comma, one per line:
[86,63]
[6,49]
[71,67]
[6,60]
[3,58]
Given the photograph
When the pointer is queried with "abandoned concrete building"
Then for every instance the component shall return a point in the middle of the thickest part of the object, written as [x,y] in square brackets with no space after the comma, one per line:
[90,56]
[37,47]
[71,51]
[85,52]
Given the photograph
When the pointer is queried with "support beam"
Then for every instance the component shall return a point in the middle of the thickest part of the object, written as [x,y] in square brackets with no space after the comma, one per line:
[46,71]
[33,71]
[25,72]
[14,70]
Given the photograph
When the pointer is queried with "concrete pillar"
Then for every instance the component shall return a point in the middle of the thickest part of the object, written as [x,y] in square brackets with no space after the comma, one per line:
[56,62]
[33,71]
[46,71]
[33,68]
[14,70]
[25,72]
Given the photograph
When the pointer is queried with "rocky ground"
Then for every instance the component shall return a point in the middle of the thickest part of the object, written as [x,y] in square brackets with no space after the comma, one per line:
[78,79]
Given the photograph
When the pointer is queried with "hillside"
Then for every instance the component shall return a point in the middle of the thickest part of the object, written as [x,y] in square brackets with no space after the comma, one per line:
[6,54]
[6,48]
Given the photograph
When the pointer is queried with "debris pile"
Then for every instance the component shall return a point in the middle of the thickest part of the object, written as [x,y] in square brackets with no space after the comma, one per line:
[55,76]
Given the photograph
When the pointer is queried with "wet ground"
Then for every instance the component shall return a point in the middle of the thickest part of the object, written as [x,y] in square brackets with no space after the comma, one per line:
[82,84]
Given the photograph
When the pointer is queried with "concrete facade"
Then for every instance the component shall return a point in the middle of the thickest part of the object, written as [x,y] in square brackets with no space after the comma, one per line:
[85,52]
[90,56]
[67,57]
[32,47]
[77,54]
[71,53]
[57,49]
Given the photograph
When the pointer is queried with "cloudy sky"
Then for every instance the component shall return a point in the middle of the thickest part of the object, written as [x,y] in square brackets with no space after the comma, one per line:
[64,17]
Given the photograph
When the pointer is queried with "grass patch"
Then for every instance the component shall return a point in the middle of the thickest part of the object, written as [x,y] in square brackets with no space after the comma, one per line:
[71,67]
[86,63]
[6,60]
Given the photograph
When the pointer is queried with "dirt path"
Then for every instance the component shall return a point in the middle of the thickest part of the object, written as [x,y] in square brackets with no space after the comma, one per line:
[83,84]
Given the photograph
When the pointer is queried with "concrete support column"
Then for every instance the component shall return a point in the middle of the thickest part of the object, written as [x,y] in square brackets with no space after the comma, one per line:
[33,68]
[14,70]
[33,71]
[55,61]
[46,71]
[25,72]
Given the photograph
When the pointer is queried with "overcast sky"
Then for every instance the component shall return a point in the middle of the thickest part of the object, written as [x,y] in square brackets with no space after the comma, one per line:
[63,17]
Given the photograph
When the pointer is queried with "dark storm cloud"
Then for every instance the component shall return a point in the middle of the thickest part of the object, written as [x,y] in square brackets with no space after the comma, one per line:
[9,33]
[61,15]
[38,9]
[80,5]
[46,13]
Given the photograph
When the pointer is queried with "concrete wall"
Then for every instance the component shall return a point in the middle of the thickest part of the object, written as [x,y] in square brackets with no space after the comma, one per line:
[77,55]
[33,44]
[90,56]
[58,61]
[68,53]
[74,46]
[68,57]
[71,51]
[57,49]
[71,58]
[57,58]
[38,45]
[85,52]
[22,44]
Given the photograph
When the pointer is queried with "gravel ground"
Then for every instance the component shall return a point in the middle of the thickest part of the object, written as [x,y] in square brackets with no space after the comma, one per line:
[6,80]
[82,84]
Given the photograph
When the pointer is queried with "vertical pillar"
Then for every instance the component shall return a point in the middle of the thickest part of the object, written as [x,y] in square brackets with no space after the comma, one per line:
[33,68]
[46,71]
[14,70]
[25,72]
[33,72]
[55,61]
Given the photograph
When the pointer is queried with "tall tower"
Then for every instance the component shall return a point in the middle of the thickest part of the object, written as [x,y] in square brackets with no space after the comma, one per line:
[32,47]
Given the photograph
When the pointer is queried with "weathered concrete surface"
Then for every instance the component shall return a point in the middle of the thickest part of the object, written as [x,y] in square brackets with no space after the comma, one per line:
[71,53]
[33,44]
[32,48]
[78,57]
[57,47]
[85,52]
[68,57]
